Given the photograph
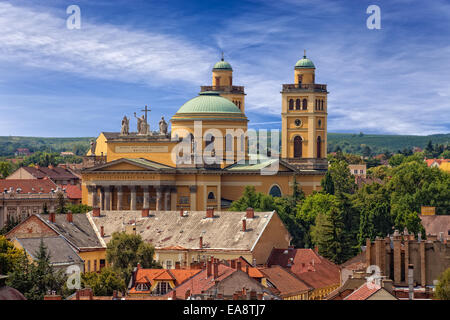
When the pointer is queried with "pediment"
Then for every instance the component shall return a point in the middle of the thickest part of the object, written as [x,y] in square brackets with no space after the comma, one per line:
[130,165]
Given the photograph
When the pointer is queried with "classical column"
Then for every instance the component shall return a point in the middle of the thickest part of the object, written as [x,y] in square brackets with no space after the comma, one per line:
[193,200]
[173,199]
[102,198]
[119,197]
[146,203]
[107,191]
[92,190]
[133,197]
[158,199]
[166,200]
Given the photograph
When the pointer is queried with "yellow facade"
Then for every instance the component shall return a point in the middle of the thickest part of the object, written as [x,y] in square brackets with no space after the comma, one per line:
[139,171]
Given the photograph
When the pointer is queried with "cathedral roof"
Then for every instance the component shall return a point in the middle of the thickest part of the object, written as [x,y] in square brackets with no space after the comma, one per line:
[304,63]
[209,102]
[222,65]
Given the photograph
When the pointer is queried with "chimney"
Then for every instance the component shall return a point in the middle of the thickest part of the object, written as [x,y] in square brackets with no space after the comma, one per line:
[216,270]
[96,212]
[115,295]
[244,225]
[181,213]
[201,242]
[139,266]
[250,213]
[50,167]
[252,295]
[52,297]
[209,212]
[69,216]
[145,213]
[102,231]
[51,217]
[411,281]
[259,296]
[236,296]
[208,269]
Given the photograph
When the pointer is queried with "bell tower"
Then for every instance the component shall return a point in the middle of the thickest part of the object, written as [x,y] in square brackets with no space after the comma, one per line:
[304,119]
[222,82]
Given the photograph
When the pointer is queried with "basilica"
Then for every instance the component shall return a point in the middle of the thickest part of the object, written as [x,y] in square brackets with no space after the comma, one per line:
[208,156]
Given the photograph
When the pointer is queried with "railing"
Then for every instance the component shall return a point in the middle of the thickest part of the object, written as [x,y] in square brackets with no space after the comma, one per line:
[305,87]
[230,89]
[23,196]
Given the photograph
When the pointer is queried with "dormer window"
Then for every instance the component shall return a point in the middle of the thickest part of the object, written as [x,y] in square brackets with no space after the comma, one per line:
[141,287]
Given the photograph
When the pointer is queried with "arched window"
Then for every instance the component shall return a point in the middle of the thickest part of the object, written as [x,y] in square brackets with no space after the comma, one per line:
[319,147]
[239,105]
[229,142]
[305,104]
[320,123]
[297,147]
[211,196]
[275,191]
[297,104]
[300,79]
[321,104]
[291,104]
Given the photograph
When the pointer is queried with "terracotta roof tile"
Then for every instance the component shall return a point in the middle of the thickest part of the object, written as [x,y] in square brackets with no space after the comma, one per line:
[363,292]
[284,281]
[28,185]
[73,191]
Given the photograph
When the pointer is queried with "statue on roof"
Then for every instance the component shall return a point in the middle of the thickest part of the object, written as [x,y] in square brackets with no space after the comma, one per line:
[162,126]
[125,126]
[143,128]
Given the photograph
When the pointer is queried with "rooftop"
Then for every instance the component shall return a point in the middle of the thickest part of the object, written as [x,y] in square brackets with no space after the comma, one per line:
[168,229]
[54,173]
[28,185]
[284,281]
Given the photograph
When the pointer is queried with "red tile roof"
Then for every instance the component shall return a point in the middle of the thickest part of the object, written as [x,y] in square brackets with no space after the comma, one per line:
[28,185]
[363,292]
[284,281]
[307,265]
[199,283]
[149,276]
[54,173]
[73,191]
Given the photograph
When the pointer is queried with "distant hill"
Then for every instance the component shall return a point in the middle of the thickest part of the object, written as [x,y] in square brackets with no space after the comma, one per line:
[9,145]
[348,142]
[378,143]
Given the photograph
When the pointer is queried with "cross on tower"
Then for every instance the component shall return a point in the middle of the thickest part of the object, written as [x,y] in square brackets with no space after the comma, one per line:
[145,111]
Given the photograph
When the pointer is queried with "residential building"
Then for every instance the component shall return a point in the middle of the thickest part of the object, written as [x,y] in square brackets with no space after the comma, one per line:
[76,229]
[358,170]
[438,225]
[218,281]
[62,254]
[20,198]
[157,281]
[73,193]
[194,236]
[370,291]
[22,152]
[314,270]
[285,284]
[58,175]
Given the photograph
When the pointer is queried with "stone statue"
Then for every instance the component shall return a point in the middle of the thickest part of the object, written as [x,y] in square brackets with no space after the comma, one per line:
[162,126]
[142,125]
[125,126]
[93,145]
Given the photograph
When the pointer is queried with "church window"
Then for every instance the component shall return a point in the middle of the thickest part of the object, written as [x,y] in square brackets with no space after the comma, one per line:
[320,123]
[305,104]
[300,79]
[297,104]
[298,122]
[291,104]
[319,147]
[275,191]
[298,147]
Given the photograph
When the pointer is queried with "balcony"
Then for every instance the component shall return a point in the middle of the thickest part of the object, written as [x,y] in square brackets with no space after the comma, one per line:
[227,89]
[311,87]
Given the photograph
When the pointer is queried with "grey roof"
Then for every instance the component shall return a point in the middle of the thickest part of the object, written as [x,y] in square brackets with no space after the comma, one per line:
[168,229]
[80,233]
[61,252]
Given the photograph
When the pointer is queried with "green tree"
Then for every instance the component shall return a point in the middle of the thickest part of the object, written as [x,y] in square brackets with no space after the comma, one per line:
[103,283]
[11,222]
[124,251]
[343,180]
[443,286]
[445,154]
[34,279]
[250,199]
[329,235]
[5,169]
[327,183]
[9,255]
[396,160]
[78,208]
[60,203]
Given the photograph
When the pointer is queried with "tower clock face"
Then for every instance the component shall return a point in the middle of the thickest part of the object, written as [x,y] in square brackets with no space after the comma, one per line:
[298,122]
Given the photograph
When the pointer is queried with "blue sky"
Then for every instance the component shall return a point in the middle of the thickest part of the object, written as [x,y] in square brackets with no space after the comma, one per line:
[127,54]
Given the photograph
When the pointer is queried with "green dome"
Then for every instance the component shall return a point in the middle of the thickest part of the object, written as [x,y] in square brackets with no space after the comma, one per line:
[304,63]
[222,65]
[209,102]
